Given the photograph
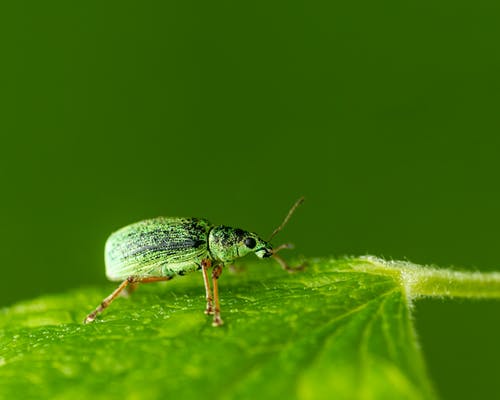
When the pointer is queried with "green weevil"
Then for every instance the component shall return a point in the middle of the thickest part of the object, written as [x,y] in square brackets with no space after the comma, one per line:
[158,249]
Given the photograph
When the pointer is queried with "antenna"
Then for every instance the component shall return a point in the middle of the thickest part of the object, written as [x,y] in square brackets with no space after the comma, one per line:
[292,210]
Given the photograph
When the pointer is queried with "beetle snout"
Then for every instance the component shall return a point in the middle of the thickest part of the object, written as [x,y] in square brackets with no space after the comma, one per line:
[267,253]
[264,252]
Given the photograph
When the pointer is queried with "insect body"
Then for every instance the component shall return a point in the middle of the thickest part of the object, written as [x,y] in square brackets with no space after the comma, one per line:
[158,249]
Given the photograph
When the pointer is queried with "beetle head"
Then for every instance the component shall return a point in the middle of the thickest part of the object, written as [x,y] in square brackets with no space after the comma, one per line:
[227,244]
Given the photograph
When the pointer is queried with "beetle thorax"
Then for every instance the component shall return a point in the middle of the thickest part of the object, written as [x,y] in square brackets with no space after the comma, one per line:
[222,242]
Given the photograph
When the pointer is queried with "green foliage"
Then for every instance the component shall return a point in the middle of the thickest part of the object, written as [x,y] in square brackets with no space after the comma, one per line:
[341,329]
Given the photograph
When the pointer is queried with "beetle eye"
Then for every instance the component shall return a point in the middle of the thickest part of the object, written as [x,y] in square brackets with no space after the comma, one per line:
[250,243]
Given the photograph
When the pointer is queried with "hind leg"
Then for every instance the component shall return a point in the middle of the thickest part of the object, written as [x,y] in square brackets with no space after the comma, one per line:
[133,282]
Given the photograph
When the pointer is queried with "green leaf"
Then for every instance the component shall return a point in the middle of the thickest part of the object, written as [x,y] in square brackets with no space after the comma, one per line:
[340,329]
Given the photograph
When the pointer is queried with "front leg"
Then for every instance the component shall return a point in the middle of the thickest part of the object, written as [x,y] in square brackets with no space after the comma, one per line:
[205,265]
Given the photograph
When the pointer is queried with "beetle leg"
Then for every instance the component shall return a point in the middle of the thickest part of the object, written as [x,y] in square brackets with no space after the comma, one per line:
[236,269]
[152,279]
[285,266]
[107,301]
[131,280]
[216,272]
[131,288]
[205,265]
[283,246]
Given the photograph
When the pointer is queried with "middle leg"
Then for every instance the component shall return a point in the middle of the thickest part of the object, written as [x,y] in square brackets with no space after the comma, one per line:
[216,272]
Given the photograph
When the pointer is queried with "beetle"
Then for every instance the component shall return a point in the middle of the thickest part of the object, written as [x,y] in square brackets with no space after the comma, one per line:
[157,249]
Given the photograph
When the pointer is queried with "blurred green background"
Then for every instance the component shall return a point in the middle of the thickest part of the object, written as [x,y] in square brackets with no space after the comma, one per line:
[384,115]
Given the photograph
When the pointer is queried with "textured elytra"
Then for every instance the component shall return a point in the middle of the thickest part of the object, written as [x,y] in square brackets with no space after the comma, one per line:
[157,247]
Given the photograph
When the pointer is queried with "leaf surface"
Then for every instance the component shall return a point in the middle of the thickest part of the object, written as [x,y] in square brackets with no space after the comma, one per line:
[341,329]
